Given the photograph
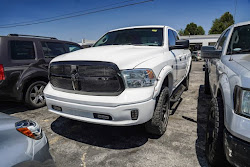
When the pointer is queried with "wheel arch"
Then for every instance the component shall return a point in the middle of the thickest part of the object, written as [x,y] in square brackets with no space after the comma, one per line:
[224,90]
[29,81]
[164,79]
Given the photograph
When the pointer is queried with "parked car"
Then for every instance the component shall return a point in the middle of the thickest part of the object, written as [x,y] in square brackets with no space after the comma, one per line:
[24,62]
[227,77]
[127,78]
[196,55]
[23,143]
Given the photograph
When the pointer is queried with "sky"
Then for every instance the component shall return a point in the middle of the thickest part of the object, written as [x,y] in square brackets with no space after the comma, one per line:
[174,13]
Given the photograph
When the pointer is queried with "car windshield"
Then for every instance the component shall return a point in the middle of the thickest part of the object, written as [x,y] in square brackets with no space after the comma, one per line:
[137,36]
[240,40]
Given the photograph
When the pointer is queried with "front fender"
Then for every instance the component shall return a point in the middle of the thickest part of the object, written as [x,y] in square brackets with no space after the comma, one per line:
[167,71]
[35,70]
[189,66]
[227,94]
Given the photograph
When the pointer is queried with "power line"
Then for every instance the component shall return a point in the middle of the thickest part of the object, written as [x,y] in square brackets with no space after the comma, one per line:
[72,16]
[47,18]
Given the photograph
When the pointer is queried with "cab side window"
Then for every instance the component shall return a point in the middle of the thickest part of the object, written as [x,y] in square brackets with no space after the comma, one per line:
[221,41]
[22,50]
[171,38]
[176,36]
[52,49]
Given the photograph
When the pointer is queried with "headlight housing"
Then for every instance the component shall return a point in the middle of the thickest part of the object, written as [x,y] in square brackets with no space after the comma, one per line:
[242,101]
[138,78]
[30,129]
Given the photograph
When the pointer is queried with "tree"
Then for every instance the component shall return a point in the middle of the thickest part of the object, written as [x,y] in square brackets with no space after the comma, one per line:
[200,30]
[193,29]
[181,32]
[219,25]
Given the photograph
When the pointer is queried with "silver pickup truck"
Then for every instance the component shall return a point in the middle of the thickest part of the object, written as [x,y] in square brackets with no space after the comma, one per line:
[227,78]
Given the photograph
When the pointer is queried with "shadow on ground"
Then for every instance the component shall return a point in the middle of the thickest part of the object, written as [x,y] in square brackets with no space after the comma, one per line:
[10,107]
[202,109]
[111,137]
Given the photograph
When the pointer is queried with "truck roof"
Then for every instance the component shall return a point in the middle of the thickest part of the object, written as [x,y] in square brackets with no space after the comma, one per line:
[241,24]
[146,26]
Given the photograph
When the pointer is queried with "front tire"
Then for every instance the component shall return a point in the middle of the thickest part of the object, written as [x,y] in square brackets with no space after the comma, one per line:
[158,124]
[214,135]
[206,82]
[34,97]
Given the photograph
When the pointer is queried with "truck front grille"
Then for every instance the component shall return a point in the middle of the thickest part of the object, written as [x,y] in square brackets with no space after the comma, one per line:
[94,78]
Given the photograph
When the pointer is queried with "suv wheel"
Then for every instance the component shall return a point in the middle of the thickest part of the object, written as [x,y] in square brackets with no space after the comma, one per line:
[34,97]
[158,124]
[214,134]
[206,82]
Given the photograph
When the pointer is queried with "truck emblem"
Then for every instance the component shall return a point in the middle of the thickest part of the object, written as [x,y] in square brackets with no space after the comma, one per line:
[74,77]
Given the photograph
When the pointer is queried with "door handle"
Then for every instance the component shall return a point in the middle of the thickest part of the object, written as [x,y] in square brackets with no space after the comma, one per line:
[220,70]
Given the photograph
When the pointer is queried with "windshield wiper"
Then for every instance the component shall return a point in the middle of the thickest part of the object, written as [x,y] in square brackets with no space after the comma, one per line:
[245,50]
[241,51]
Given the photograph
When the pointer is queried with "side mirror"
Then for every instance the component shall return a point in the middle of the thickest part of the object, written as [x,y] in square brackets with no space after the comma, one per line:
[180,44]
[210,52]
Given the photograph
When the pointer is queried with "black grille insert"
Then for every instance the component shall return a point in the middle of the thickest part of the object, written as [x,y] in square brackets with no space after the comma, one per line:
[94,78]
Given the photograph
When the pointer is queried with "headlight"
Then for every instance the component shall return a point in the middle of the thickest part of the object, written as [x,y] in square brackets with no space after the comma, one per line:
[29,128]
[138,78]
[242,101]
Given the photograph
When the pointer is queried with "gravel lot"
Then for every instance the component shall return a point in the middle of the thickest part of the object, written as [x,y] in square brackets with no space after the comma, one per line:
[74,143]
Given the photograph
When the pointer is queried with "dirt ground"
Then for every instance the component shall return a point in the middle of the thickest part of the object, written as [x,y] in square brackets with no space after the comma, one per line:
[74,143]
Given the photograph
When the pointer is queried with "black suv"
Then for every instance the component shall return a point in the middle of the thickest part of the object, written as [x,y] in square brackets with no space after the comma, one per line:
[24,61]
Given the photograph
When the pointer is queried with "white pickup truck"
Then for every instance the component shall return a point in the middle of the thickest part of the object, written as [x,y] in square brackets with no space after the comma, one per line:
[128,77]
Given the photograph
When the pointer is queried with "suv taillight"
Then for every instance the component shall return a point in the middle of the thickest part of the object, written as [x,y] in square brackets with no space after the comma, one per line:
[2,77]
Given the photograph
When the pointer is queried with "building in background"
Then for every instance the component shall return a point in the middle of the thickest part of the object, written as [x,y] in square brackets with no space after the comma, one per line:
[87,43]
[197,41]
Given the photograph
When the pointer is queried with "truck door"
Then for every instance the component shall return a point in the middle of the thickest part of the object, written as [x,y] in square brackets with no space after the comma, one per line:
[177,53]
[182,58]
[215,64]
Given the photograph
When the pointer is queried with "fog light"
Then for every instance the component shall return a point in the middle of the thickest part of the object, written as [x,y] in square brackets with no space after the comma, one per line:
[57,108]
[134,114]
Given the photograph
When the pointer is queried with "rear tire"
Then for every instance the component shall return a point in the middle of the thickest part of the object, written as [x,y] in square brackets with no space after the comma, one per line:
[158,124]
[34,97]
[186,82]
[214,148]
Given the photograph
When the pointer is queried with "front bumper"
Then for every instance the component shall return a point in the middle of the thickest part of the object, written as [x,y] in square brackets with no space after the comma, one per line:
[237,151]
[43,155]
[118,108]
[121,115]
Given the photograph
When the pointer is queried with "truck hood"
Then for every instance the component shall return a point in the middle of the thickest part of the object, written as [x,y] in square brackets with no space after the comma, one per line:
[243,60]
[7,122]
[124,56]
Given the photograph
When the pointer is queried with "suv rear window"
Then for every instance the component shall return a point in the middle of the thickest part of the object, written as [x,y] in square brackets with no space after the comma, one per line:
[72,47]
[22,50]
[53,49]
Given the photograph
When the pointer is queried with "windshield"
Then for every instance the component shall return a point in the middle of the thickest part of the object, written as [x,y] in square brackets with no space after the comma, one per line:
[137,36]
[240,40]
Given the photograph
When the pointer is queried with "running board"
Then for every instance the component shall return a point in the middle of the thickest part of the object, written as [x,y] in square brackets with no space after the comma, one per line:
[177,93]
